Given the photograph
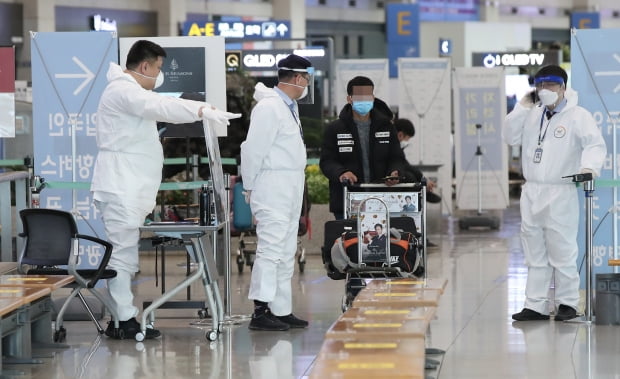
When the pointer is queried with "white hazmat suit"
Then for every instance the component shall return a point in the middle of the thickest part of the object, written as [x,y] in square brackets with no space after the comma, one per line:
[571,143]
[273,159]
[128,169]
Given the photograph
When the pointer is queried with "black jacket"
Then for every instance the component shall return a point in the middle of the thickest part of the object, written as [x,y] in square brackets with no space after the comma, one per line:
[341,152]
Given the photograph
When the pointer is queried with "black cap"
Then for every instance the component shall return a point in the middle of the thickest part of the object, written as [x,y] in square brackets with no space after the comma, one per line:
[549,72]
[294,61]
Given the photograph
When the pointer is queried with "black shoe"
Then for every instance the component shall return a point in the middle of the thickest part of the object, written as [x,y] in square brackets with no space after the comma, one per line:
[293,321]
[129,329]
[432,197]
[529,315]
[267,321]
[565,313]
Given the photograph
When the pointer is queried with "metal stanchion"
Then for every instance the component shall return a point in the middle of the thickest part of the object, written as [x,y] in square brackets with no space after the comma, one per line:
[588,187]
[229,319]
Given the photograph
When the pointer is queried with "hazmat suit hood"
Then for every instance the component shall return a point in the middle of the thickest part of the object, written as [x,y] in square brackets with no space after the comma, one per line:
[116,72]
[271,124]
[572,99]
[261,92]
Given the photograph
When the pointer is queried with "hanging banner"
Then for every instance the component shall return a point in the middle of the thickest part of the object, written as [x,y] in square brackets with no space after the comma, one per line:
[346,69]
[7,92]
[68,77]
[595,75]
[479,111]
[424,99]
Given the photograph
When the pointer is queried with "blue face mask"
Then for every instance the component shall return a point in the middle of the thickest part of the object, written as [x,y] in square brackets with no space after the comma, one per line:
[362,107]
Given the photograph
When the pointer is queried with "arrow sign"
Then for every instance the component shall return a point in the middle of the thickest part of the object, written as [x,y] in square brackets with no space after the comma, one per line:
[611,73]
[282,29]
[87,75]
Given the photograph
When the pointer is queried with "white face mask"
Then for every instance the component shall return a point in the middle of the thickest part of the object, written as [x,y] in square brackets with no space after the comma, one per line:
[303,94]
[547,97]
[159,79]
[403,143]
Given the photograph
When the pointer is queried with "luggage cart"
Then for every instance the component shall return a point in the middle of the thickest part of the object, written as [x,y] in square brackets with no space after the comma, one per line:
[244,228]
[390,203]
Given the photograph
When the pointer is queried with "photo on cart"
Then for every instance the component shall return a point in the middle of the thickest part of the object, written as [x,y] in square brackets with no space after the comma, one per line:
[374,236]
[400,204]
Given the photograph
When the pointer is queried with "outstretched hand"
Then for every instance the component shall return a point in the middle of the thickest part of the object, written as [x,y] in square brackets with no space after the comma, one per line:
[214,114]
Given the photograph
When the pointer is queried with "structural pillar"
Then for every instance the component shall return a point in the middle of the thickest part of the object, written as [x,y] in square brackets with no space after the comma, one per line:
[295,11]
[170,14]
[39,16]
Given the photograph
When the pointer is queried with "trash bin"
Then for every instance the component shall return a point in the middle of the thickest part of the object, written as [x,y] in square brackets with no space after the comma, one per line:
[607,309]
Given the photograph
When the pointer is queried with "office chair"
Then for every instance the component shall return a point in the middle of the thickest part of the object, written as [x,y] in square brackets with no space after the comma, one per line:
[52,248]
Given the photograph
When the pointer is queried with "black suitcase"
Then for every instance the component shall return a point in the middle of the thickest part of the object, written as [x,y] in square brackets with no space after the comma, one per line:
[333,230]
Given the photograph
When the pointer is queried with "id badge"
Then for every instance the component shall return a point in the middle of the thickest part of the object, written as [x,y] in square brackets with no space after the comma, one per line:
[537,155]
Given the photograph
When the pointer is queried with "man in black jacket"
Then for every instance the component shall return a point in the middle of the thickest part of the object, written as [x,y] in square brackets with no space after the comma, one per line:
[405,132]
[361,146]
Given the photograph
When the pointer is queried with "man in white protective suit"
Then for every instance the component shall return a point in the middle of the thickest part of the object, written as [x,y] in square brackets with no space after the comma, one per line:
[129,164]
[273,159]
[558,138]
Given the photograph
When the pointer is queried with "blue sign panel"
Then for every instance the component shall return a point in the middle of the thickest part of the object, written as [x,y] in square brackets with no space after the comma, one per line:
[585,20]
[449,10]
[68,77]
[595,74]
[403,23]
[400,50]
[256,30]
[403,33]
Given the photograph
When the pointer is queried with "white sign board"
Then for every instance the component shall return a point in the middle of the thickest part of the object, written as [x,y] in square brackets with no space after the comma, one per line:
[424,99]
[479,111]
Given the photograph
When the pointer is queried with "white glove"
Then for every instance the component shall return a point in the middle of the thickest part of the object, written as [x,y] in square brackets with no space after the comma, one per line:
[246,195]
[526,100]
[214,114]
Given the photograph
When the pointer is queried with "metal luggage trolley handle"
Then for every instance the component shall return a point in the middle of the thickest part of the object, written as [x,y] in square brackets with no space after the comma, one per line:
[360,234]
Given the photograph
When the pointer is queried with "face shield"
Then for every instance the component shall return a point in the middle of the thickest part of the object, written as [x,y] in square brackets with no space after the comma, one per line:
[307,73]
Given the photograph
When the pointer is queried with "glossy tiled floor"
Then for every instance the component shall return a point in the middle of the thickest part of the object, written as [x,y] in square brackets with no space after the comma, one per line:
[486,280]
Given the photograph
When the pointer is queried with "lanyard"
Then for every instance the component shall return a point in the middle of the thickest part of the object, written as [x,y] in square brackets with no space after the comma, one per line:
[541,138]
[296,118]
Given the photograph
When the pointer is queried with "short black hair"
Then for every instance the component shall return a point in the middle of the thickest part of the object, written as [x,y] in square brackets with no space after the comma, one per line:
[405,126]
[358,81]
[407,197]
[379,225]
[143,50]
[552,70]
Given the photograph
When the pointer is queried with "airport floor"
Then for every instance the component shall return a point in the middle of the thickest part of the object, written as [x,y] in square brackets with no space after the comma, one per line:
[486,279]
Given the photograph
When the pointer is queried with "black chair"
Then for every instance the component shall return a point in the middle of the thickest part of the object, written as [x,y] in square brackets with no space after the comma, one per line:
[51,248]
